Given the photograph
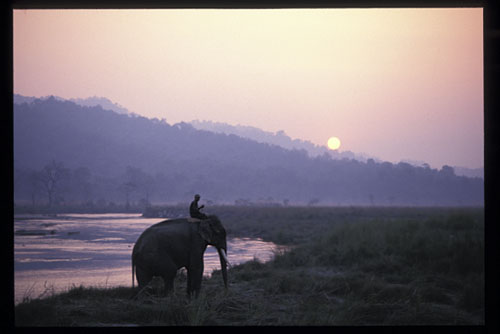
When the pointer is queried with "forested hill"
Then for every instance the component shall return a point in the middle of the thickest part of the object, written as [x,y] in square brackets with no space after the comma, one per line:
[114,156]
[279,138]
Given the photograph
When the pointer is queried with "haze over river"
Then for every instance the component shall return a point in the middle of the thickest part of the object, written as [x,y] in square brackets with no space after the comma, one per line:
[52,254]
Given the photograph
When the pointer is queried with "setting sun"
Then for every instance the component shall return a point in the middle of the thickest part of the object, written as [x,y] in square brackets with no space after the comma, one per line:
[333,143]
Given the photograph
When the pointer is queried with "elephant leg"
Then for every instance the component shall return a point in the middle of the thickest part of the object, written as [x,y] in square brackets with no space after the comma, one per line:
[167,271]
[195,274]
[143,277]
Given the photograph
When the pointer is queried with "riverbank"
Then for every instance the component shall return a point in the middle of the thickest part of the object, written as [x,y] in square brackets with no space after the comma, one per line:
[348,266]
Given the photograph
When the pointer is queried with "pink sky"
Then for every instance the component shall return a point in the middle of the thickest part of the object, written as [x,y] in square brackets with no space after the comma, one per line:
[393,83]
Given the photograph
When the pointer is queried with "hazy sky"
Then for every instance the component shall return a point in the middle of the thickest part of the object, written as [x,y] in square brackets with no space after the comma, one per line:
[393,83]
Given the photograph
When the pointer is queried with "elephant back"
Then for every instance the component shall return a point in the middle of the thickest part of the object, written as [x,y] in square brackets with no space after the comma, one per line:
[149,238]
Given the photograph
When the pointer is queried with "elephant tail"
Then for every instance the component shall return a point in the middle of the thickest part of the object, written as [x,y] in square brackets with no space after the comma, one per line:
[133,272]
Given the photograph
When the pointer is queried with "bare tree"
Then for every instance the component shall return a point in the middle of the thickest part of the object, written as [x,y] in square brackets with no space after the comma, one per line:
[50,178]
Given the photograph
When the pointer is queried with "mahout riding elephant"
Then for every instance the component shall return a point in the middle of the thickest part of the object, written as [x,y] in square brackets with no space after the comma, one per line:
[167,246]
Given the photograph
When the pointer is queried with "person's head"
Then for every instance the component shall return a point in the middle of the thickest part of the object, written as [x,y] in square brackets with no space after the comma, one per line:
[197,197]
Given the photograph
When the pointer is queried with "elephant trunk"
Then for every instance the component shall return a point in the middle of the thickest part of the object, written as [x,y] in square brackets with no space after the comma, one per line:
[223,264]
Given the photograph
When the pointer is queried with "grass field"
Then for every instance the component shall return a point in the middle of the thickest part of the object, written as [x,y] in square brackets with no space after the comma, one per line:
[345,266]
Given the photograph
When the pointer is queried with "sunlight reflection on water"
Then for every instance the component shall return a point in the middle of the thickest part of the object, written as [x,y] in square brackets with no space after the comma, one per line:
[56,253]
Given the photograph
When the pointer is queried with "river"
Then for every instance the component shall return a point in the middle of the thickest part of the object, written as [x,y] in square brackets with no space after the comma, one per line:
[53,254]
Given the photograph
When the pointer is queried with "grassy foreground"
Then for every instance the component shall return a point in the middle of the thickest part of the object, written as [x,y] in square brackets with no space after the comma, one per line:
[347,266]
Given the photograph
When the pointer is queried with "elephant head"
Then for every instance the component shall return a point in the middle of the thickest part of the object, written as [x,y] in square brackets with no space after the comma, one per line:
[212,231]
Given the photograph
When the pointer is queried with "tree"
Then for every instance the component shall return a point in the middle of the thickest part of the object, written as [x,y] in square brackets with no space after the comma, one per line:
[50,178]
[447,171]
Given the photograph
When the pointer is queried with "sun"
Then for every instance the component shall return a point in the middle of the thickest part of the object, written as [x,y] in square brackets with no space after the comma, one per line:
[333,143]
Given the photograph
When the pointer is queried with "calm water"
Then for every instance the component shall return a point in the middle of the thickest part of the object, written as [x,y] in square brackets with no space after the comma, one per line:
[52,254]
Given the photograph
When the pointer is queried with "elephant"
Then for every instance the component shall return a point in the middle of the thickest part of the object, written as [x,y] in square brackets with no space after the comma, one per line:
[165,247]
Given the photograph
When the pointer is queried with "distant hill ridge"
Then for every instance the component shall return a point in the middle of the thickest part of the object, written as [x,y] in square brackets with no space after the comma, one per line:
[93,101]
[280,138]
[115,156]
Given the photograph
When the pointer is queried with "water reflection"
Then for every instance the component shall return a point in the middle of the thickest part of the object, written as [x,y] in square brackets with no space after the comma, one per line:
[52,254]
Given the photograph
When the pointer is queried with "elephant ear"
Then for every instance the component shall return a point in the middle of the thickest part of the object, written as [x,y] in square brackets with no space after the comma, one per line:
[205,230]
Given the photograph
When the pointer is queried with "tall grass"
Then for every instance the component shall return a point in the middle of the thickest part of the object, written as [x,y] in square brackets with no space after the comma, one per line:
[452,246]
[347,266]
